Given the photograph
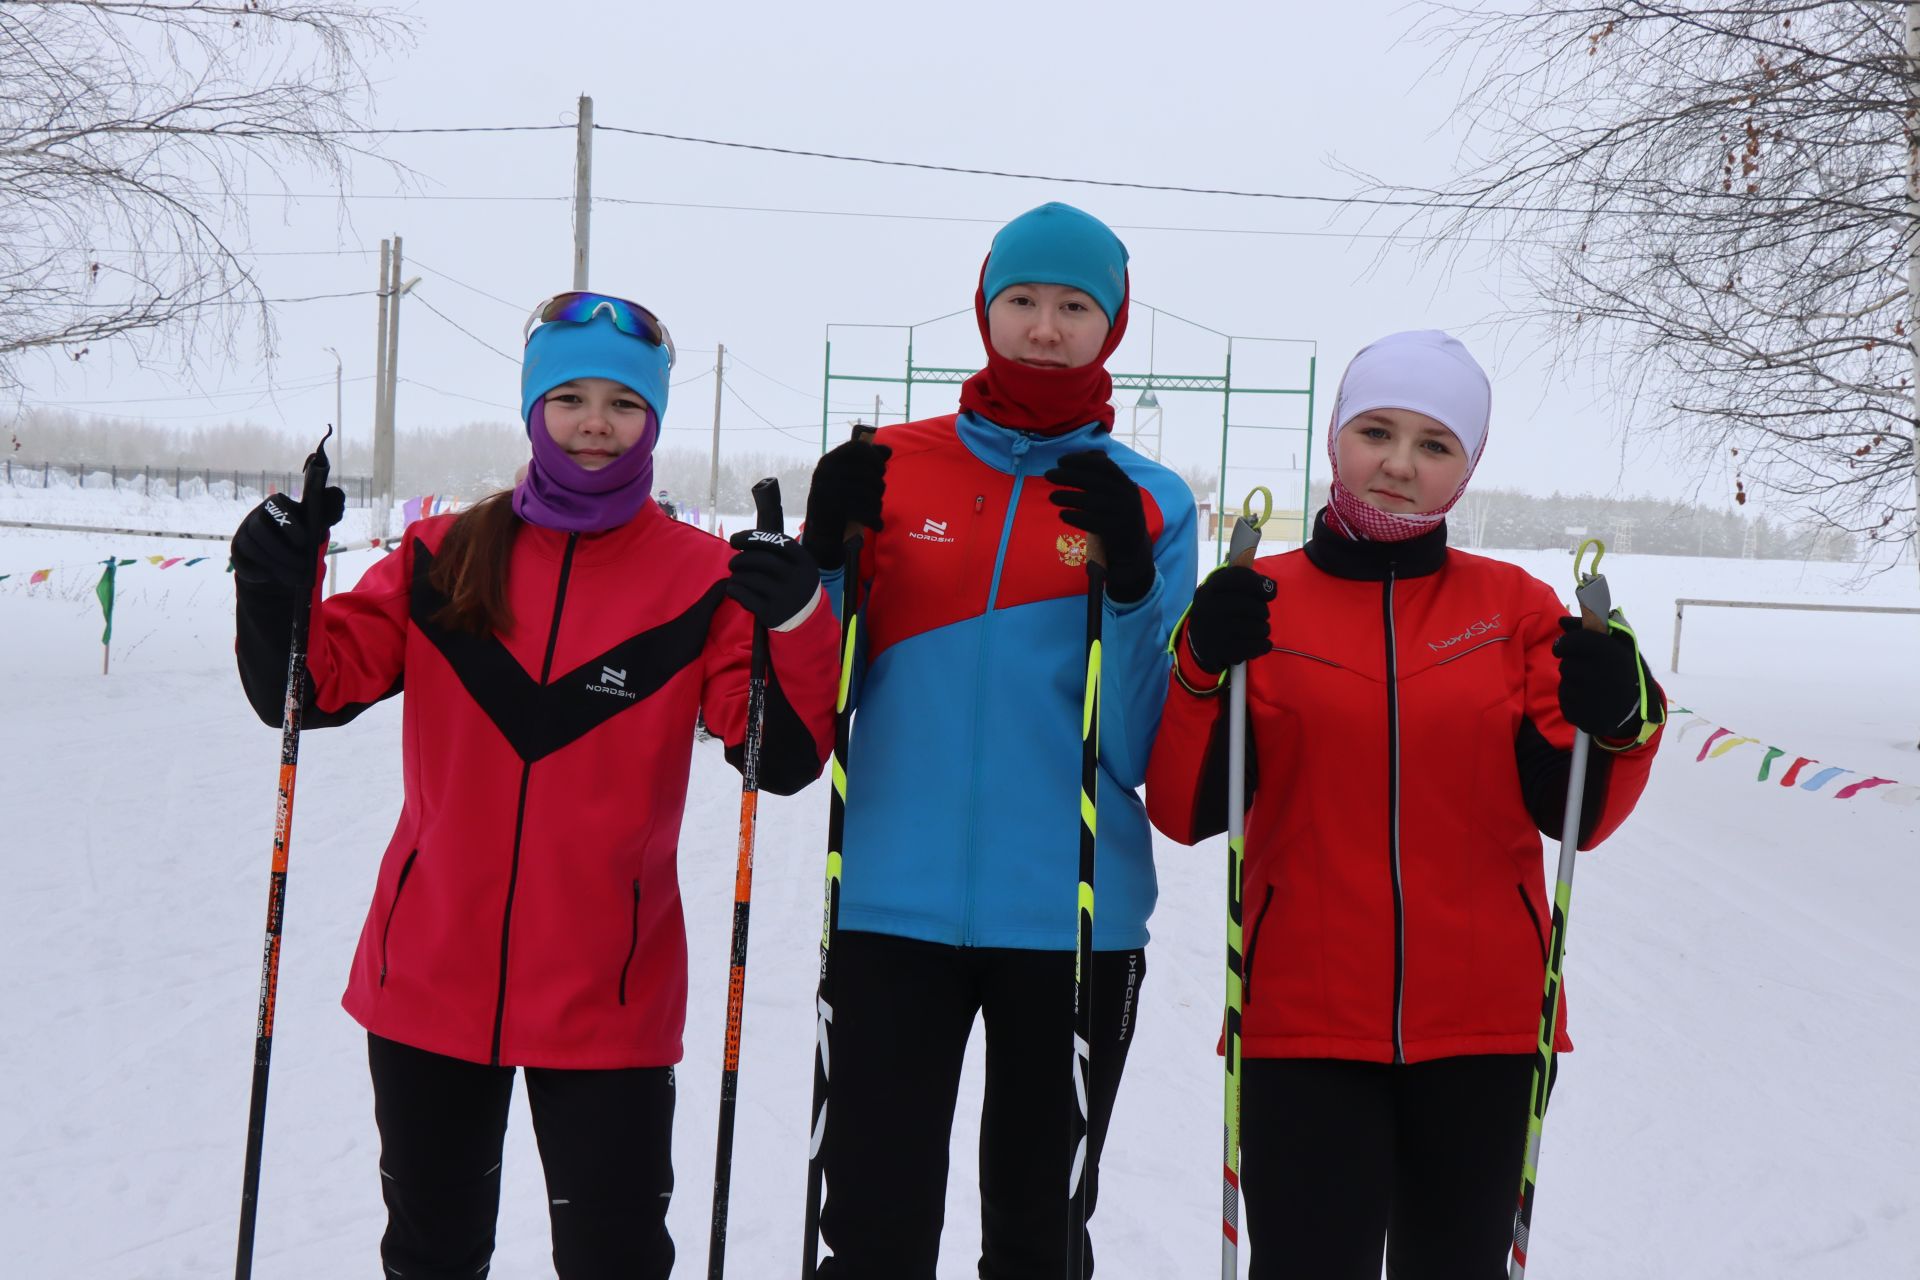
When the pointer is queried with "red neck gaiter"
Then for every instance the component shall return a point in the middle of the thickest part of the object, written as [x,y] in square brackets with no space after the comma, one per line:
[1048,402]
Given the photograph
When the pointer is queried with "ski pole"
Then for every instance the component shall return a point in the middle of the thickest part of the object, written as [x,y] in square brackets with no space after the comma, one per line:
[1083,943]
[1240,551]
[312,503]
[830,924]
[1596,608]
[766,502]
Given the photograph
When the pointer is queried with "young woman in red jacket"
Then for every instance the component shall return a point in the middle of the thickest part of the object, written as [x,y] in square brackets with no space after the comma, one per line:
[1411,712]
[555,644]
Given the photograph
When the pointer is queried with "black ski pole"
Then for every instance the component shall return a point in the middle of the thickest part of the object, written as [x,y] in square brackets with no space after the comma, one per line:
[312,505]
[1083,949]
[766,501]
[830,925]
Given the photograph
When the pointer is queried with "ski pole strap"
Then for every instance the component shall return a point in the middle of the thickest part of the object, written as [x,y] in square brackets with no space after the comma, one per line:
[1173,644]
[1653,712]
[1590,590]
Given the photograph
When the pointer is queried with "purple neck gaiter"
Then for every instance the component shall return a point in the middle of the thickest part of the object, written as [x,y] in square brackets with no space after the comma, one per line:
[559,493]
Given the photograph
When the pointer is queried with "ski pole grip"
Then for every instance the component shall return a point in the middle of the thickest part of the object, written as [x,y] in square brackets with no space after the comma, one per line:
[313,484]
[314,472]
[862,434]
[1244,543]
[766,506]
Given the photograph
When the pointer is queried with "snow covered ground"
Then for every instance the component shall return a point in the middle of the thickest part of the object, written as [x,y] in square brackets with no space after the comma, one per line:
[1743,969]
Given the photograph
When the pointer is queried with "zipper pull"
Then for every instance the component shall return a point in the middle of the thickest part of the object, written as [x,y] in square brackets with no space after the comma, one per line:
[979,504]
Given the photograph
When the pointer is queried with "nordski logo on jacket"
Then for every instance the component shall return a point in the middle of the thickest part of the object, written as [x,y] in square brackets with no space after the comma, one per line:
[1484,627]
[932,531]
[613,681]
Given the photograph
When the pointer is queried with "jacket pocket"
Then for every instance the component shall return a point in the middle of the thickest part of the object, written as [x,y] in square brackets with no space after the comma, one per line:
[633,941]
[1539,935]
[1253,942]
[386,930]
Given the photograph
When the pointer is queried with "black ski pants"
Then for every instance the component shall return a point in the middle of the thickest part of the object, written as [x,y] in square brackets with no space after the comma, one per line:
[605,1143]
[1342,1159]
[902,1013]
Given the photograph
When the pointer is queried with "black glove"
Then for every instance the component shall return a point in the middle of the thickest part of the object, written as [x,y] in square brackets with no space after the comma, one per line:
[1228,621]
[1097,496]
[848,483]
[772,577]
[274,548]
[1599,681]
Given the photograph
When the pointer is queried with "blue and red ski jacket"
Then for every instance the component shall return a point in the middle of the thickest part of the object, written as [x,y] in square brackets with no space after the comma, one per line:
[963,787]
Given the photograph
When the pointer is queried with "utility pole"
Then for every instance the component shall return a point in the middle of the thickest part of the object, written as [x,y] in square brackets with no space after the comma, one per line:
[378,514]
[383,463]
[582,191]
[340,436]
[392,290]
[713,476]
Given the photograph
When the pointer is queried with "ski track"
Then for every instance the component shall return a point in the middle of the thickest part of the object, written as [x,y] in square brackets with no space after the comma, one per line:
[1743,977]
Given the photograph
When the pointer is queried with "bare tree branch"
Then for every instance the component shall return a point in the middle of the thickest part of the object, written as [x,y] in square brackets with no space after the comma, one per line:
[1731,229]
[139,122]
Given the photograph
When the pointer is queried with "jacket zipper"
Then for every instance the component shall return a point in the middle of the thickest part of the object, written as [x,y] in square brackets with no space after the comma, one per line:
[1253,944]
[386,930]
[1393,828]
[633,941]
[1539,934]
[1021,444]
[520,810]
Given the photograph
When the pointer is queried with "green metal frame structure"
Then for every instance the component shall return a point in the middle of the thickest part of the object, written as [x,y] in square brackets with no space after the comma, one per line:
[1221,383]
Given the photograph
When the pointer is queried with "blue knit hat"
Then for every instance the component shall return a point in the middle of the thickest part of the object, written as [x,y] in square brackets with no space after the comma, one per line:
[562,351]
[1059,244]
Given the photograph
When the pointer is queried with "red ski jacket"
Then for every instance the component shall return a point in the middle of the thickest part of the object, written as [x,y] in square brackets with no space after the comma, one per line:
[1405,751]
[527,911]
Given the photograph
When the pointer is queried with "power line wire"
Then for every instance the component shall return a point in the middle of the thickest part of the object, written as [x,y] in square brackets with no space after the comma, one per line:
[882,215]
[517,308]
[1373,201]
[771,424]
[462,328]
[788,386]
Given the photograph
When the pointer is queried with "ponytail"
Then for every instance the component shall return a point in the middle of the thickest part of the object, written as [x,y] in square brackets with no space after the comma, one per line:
[470,569]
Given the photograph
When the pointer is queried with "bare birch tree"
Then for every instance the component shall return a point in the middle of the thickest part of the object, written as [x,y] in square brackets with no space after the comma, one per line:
[129,132]
[1718,201]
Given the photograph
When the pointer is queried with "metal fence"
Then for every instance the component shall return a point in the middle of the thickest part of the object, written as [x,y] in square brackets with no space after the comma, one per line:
[237,484]
[1680,614]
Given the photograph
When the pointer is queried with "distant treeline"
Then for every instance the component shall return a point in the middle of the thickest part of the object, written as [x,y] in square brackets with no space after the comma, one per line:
[1647,526]
[476,458]
[467,461]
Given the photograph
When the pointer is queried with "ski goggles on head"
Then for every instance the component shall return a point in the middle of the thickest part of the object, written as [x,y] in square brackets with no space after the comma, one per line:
[579,307]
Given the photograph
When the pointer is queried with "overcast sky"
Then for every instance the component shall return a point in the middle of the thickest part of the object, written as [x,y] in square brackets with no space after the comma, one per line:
[1246,96]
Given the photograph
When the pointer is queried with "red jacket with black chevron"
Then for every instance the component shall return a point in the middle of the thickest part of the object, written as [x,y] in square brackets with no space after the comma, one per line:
[1405,753]
[527,910]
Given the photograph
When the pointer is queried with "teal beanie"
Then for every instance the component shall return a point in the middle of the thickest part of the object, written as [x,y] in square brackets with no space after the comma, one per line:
[1059,244]
[562,351]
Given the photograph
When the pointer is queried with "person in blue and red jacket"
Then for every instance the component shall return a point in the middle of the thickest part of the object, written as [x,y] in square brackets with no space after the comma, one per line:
[555,644]
[1411,711]
[961,854]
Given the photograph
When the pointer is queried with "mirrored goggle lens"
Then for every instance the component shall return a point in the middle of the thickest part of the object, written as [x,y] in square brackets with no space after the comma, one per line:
[628,317]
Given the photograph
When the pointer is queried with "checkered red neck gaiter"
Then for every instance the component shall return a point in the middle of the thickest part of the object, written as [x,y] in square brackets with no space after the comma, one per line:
[1355,518]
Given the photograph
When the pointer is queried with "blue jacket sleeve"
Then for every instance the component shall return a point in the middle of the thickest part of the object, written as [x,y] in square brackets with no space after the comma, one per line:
[1134,664]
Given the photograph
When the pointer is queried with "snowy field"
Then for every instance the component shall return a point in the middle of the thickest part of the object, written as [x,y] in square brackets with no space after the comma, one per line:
[1744,973]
